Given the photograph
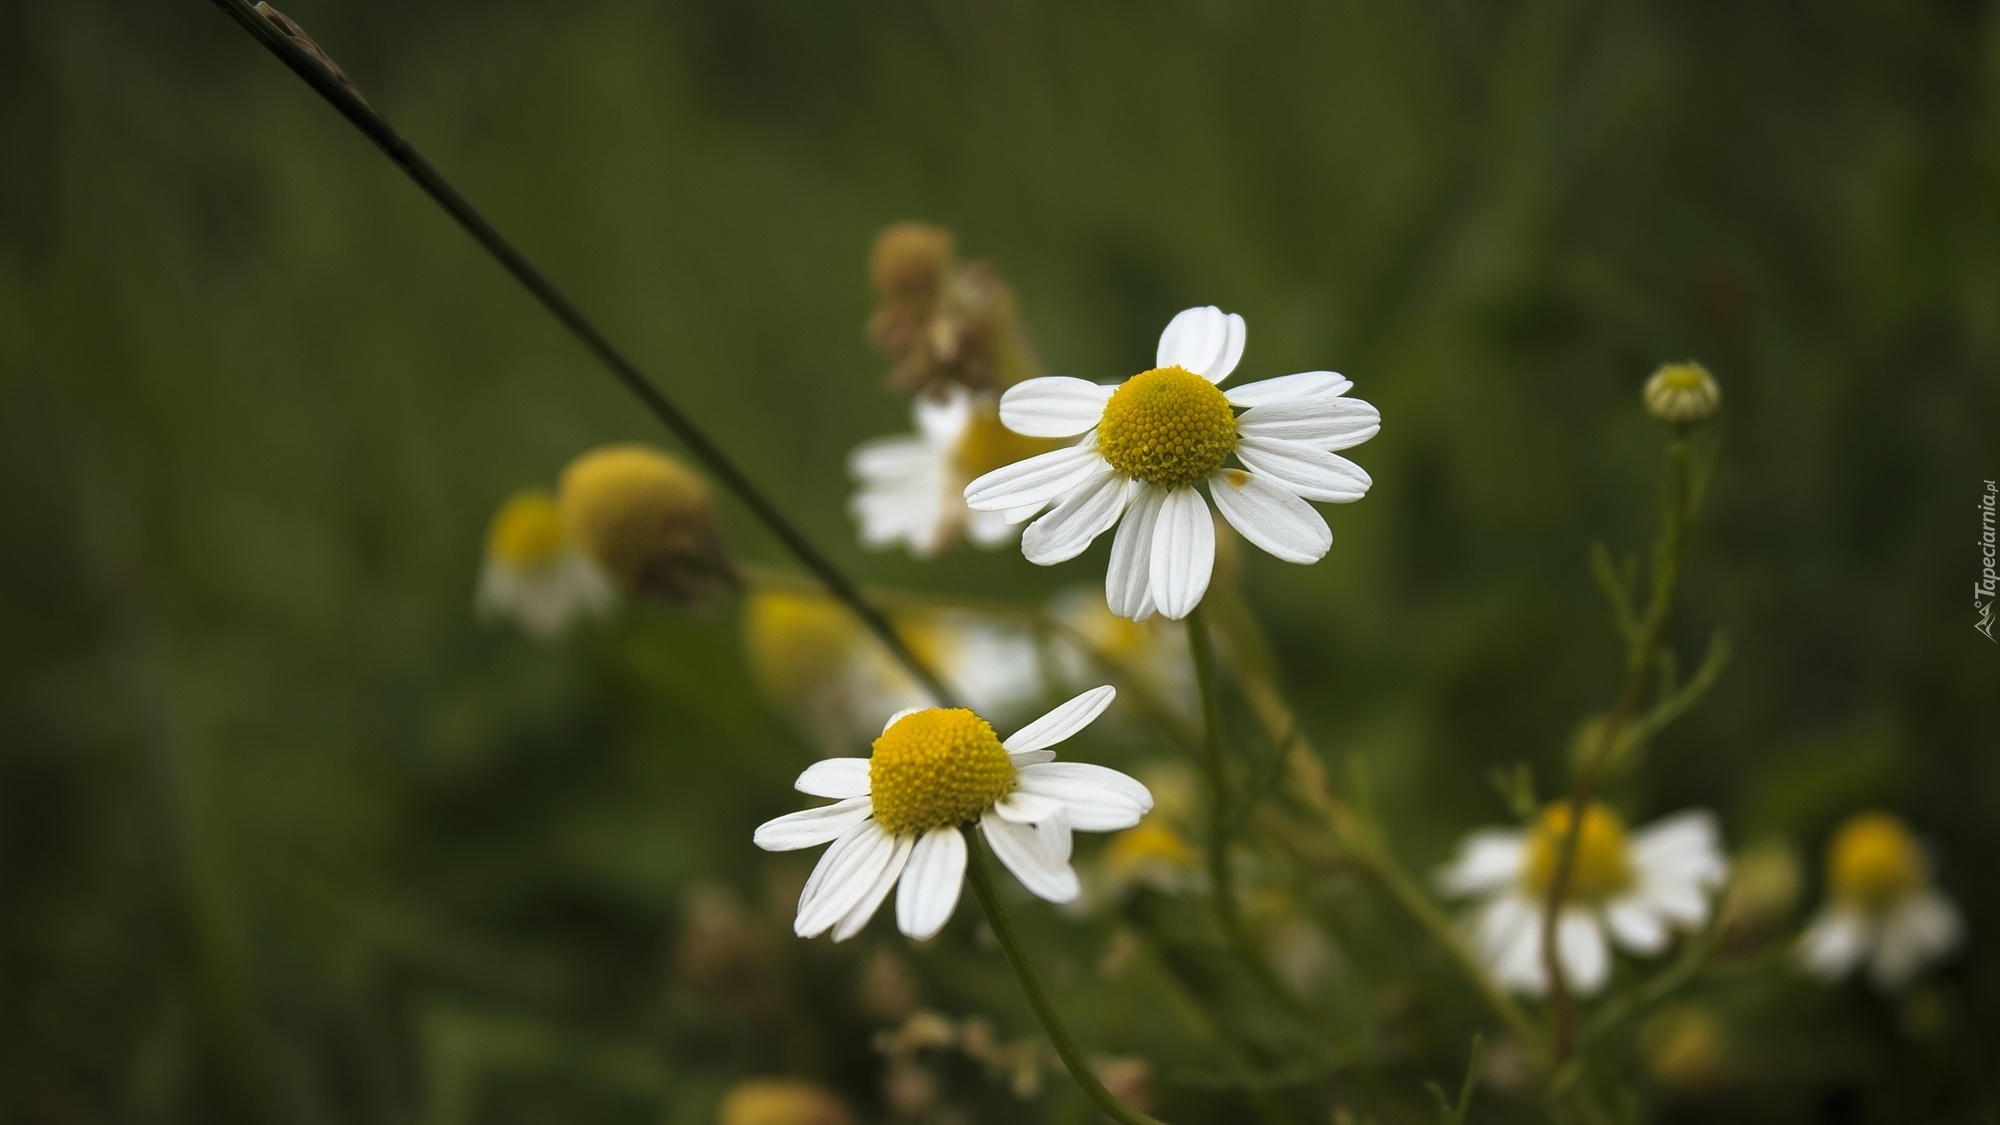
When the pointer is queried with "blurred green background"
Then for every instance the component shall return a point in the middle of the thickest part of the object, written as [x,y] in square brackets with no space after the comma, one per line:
[285,835]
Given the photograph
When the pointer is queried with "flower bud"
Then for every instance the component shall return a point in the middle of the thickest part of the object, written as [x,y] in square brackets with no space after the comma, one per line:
[909,261]
[1682,393]
[649,521]
[783,1101]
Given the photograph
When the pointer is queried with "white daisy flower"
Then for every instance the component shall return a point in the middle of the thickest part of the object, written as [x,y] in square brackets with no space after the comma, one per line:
[1636,888]
[1147,442]
[912,486]
[896,815]
[1883,908]
[534,574]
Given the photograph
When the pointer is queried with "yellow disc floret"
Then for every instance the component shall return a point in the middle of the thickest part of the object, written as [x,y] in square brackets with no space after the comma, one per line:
[935,768]
[1603,864]
[1873,861]
[527,531]
[1682,393]
[985,445]
[1168,427]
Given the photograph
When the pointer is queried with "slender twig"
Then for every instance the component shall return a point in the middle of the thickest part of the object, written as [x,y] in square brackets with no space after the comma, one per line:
[318,72]
[981,878]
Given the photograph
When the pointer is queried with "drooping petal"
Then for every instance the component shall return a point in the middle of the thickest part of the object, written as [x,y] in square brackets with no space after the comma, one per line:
[847,871]
[1634,926]
[1507,932]
[931,883]
[1035,481]
[1271,516]
[1288,388]
[1053,407]
[812,827]
[1084,514]
[1128,580]
[1487,860]
[1324,423]
[870,901]
[840,778]
[1062,722]
[1312,473]
[1586,961]
[942,418]
[1921,929]
[1022,852]
[1206,341]
[1094,798]
[1835,942]
[1183,553]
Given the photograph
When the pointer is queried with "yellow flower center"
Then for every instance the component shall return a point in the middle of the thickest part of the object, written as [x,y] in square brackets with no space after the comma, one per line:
[1149,846]
[935,768]
[986,445]
[1873,861]
[1603,864]
[527,531]
[1167,426]
[1683,377]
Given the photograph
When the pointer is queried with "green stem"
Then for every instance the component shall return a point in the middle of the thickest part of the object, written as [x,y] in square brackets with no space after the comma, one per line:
[981,878]
[699,445]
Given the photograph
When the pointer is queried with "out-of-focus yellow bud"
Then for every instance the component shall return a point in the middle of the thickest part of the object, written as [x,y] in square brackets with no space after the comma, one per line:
[1682,393]
[1764,884]
[527,531]
[1684,1049]
[1151,853]
[909,260]
[1874,860]
[649,521]
[798,642]
[782,1101]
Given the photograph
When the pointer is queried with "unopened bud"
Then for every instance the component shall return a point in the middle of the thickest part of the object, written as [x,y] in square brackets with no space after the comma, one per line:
[649,521]
[1682,393]
[783,1101]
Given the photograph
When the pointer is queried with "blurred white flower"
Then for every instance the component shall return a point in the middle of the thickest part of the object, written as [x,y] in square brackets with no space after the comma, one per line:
[896,815]
[912,486]
[1152,653]
[534,575]
[1636,888]
[1148,441]
[1882,907]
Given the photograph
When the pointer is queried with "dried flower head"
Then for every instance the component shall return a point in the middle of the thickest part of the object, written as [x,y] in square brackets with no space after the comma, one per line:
[943,322]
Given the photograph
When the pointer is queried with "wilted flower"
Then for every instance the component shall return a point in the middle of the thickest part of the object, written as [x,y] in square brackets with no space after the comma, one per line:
[944,323]
[1682,393]
[1638,888]
[1882,906]
[1147,442]
[897,815]
[912,486]
[534,574]
[782,1101]
[649,521]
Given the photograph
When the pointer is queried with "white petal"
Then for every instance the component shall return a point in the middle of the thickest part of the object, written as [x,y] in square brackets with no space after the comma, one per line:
[1835,941]
[1635,926]
[992,529]
[1094,798]
[1031,757]
[942,418]
[847,871]
[1688,844]
[1023,807]
[1053,407]
[1921,929]
[1287,388]
[888,458]
[840,778]
[1035,481]
[1206,341]
[1507,933]
[1271,516]
[1487,860]
[931,883]
[1022,852]
[1062,722]
[1075,523]
[1183,553]
[812,827]
[1323,423]
[870,901]
[1128,580]
[1312,473]
[1585,960]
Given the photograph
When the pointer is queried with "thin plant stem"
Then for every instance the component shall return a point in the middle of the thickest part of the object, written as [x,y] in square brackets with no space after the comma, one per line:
[980,875]
[318,72]
[1638,665]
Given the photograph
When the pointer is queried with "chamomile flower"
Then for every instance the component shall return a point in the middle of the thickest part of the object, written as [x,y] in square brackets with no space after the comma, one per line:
[1883,908]
[534,574]
[896,815]
[1149,441]
[1636,887]
[912,486]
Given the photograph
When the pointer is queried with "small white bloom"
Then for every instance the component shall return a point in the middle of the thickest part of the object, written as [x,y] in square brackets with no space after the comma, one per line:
[896,815]
[1882,909]
[534,574]
[912,486]
[1636,889]
[1147,442]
